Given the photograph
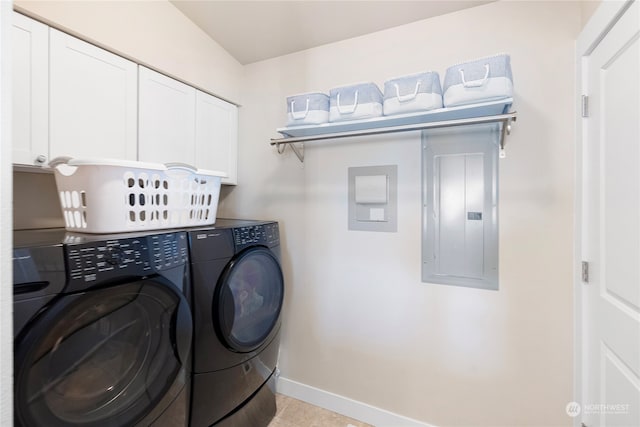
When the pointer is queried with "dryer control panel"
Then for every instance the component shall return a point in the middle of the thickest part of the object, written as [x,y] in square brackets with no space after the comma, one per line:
[262,234]
[98,261]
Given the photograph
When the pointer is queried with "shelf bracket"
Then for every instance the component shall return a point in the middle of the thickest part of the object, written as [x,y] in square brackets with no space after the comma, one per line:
[506,130]
[298,151]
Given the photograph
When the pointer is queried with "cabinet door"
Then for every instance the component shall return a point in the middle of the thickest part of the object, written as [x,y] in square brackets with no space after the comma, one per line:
[93,100]
[30,85]
[166,119]
[217,136]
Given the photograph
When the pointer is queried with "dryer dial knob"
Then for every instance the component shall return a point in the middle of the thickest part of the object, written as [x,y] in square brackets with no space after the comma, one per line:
[113,255]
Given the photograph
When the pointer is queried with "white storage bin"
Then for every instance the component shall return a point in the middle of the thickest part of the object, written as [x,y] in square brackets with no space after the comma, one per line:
[482,80]
[359,101]
[111,196]
[307,109]
[416,92]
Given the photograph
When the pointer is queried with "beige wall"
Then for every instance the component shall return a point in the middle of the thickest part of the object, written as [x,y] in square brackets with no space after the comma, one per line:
[153,33]
[35,201]
[588,9]
[358,321]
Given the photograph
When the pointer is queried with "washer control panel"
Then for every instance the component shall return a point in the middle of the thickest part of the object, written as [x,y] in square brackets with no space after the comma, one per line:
[262,234]
[93,262]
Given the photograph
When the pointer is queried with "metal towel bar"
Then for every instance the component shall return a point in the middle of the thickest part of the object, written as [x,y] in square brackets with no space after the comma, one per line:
[504,119]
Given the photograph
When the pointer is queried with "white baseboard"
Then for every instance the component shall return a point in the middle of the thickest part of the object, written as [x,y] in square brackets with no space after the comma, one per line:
[345,406]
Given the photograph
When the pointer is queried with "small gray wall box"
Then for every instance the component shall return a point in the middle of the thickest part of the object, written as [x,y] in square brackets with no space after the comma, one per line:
[373,198]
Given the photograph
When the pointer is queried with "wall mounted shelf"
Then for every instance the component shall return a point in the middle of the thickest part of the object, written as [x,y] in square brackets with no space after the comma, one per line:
[488,112]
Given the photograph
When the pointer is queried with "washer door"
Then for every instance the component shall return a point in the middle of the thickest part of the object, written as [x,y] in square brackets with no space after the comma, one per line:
[104,357]
[248,299]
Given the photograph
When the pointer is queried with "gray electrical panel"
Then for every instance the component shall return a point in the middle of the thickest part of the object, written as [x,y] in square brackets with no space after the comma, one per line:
[460,206]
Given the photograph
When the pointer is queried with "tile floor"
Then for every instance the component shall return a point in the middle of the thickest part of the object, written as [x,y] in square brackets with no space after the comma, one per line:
[295,413]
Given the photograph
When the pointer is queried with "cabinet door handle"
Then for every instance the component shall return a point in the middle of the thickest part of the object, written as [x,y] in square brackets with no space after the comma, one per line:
[41,159]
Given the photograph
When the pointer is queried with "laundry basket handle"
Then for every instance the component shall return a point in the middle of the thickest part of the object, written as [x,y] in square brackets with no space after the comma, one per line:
[61,160]
[181,166]
[300,114]
[408,97]
[475,83]
[348,109]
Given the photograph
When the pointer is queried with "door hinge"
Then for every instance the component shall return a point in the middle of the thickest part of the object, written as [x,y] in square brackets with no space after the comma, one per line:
[585,106]
[585,271]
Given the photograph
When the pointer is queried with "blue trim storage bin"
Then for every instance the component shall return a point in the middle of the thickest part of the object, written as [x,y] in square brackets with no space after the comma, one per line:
[482,80]
[354,102]
[411,93]
[307,109]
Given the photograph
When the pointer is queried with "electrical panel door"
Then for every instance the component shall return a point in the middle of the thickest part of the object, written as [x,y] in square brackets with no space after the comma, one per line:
[460,201]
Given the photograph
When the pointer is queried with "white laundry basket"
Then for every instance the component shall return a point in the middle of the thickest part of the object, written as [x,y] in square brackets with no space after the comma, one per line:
[110,196]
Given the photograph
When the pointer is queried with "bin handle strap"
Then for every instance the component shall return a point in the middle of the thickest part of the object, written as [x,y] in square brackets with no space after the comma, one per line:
[348,109]
[475,83]
[408,97]
[299,114]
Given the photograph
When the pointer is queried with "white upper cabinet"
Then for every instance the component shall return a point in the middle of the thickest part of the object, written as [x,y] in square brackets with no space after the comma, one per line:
[72,98]
[93,100]
[217,136]
[30,85]
[166,119]
[178,123]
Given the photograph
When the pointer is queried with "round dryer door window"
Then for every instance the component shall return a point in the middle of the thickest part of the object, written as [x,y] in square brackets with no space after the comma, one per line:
[101,358]
[249,299]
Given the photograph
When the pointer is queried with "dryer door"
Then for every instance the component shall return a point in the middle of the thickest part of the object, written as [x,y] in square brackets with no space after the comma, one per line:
[104,357]
[248,299]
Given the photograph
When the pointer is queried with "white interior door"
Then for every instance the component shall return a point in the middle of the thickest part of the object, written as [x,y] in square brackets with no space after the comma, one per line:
[610,309]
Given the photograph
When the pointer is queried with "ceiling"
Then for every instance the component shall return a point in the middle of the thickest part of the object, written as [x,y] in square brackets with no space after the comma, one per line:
[260,29]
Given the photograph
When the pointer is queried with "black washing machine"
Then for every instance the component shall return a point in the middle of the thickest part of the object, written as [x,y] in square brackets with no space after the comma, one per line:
[238,291]
[102,329]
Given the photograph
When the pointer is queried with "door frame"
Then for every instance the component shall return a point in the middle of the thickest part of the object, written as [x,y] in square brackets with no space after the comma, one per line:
[604,18]
[6,217]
